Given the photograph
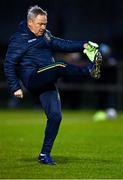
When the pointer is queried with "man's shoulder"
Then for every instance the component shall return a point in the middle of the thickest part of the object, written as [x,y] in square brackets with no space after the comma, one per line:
[48,36]
[19,37]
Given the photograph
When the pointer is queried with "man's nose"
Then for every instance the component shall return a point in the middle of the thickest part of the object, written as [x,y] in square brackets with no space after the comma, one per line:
[43,26]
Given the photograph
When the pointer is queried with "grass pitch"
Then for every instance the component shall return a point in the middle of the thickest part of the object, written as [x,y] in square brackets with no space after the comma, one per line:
[83,148]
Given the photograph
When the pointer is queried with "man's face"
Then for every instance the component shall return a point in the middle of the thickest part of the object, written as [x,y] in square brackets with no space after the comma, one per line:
[38,24]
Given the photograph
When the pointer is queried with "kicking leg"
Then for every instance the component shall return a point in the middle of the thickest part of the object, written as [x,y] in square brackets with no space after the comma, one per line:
[44,77]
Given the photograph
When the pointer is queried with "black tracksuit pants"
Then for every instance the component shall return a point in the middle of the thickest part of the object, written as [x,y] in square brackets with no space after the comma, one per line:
[42,83]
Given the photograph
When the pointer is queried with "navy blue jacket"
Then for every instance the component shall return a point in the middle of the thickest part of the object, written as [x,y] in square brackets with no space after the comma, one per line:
[26,53]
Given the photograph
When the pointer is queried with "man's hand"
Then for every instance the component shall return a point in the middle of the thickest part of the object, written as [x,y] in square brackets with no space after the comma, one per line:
[91,49]
[18,93]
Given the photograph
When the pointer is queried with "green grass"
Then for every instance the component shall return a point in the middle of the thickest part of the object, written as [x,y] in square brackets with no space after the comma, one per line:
[83,148]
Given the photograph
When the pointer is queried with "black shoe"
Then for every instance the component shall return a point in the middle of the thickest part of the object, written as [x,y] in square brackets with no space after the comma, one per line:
[95,71]
[46,159]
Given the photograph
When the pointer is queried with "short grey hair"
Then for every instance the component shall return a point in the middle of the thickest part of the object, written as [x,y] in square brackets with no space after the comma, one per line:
[34,11]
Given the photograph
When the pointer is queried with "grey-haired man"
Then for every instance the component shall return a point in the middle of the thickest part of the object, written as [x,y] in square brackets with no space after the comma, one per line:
[31,50]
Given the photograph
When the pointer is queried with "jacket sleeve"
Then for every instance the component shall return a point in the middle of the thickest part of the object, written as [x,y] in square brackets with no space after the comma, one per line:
[18,46]
[13,55]
[63,45]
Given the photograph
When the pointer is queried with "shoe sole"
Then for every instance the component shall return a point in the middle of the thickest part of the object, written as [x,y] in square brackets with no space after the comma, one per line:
[51,164]
[98,62]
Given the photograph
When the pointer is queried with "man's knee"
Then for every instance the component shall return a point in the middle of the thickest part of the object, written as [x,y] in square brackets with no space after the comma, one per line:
[55,117]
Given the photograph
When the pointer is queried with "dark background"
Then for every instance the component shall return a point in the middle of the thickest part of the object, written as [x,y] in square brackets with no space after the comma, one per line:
[98,20]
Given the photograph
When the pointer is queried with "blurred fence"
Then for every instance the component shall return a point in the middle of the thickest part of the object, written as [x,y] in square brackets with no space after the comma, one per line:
[86,93]
[103,93]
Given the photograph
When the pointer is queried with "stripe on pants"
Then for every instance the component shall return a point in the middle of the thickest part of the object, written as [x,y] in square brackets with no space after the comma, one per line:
[51,66]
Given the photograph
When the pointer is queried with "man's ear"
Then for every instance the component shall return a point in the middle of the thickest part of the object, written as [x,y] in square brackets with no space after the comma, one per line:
[30,22]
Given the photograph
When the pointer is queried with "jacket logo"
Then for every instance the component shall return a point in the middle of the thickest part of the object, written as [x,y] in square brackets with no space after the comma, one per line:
[31,40]
[24,34]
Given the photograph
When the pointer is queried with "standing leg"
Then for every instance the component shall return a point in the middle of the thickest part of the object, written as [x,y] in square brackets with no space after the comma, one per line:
[51,104]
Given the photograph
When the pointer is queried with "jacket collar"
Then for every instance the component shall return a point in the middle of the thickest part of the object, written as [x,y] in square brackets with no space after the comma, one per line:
[24,28]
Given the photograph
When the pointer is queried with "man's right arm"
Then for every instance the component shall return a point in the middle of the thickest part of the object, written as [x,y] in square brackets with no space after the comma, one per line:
[14,53]
[18,93]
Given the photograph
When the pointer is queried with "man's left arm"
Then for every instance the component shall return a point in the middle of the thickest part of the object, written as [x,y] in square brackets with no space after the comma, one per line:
[58,44]
[67,45]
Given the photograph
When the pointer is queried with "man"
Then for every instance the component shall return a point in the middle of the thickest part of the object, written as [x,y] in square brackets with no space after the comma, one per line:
[30,59]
